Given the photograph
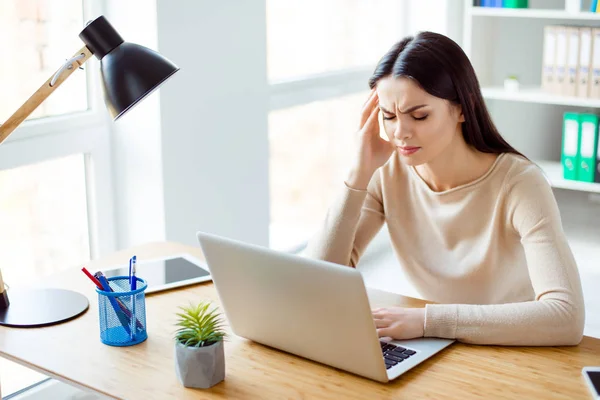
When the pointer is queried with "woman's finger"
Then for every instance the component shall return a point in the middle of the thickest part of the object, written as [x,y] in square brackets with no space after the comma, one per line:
[370,96]
[373,118]
[368,109]
[383,332]
[382,323]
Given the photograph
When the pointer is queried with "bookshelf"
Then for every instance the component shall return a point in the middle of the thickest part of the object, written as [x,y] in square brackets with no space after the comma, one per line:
[533,13]
[502,42]
[554,174]
[534,94]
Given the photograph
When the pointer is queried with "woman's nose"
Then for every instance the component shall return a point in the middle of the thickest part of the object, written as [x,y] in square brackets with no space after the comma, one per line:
[402,132]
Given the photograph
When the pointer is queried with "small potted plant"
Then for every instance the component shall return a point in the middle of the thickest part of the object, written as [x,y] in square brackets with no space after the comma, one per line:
[511,83]
[199,354]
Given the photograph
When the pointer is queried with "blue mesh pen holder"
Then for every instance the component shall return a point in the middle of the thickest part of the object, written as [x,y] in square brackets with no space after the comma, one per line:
[117,309]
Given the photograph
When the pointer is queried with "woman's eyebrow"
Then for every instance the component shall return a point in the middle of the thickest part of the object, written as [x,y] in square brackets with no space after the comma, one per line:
[411,109]
[384,110]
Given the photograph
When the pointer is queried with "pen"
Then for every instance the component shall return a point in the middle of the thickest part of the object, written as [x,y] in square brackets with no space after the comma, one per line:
[92,277]
[121,304]
[133,280]
[118,311]
[130,271]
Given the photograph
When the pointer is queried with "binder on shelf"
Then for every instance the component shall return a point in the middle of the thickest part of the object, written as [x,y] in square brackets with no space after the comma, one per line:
[585,61]
[570,85]
[587,147]
[594,5]
[515,3]
[549,59]
[570,145]
[561,58]
[595,72]
[597,161]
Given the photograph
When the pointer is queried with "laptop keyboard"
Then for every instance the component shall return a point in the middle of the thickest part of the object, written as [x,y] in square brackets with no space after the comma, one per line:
[393,354]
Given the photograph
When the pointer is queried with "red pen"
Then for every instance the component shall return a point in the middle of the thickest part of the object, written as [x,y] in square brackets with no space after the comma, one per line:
[92,277]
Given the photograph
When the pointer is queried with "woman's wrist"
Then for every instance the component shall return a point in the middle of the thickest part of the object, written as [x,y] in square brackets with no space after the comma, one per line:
[359,179]
[424,313]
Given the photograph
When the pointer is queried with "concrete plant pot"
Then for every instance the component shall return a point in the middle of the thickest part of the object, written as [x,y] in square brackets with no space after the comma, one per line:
[200,367]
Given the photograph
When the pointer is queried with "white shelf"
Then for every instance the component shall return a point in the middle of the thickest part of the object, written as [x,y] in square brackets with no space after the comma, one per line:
[533,13]
[537,95]
[553,171]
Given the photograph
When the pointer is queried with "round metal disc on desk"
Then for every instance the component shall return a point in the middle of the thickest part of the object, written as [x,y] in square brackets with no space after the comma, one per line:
[41,307]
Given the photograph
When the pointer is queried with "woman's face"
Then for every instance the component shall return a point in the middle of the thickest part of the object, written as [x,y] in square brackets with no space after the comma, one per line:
[420,126]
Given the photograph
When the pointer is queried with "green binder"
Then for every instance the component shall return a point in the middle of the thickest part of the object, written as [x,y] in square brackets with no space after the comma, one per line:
[570,145]
[515,3]
[587,147]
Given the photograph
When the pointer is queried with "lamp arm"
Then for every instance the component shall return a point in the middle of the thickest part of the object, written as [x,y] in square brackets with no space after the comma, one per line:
[43,93]
[4,302]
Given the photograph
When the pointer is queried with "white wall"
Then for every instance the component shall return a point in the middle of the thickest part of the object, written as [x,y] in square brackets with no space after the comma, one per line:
[447,18]
[203,136]
[137,163]
[214,119]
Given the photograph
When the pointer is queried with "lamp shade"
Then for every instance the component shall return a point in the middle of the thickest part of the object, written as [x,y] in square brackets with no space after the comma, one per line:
[129,71]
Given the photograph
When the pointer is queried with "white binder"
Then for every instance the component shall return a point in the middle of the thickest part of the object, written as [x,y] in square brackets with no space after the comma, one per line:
[595,80]
[585,62]
[570,85]
[561,59]
[549,63]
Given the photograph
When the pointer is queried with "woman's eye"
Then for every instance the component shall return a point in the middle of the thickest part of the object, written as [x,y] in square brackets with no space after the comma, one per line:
[389,117]
[420,118]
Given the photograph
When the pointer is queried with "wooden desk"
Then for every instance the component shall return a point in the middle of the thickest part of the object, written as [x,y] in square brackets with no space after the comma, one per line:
[72,353]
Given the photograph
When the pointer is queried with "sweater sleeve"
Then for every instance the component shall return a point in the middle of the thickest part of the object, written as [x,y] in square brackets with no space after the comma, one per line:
[556,316]
[352,221]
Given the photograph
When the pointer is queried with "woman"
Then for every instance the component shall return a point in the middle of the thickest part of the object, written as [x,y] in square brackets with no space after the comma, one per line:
[472,221]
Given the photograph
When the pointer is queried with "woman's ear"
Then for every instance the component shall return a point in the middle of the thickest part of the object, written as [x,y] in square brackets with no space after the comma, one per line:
[461,115]
[456,111]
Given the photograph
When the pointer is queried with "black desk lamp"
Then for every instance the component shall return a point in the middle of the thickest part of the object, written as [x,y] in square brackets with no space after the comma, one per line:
[130,72]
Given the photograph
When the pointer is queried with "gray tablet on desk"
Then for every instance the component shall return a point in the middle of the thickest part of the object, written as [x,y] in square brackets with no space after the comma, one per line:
[166,273]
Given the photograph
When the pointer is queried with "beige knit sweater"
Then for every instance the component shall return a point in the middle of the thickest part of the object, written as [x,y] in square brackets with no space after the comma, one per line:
[492,253]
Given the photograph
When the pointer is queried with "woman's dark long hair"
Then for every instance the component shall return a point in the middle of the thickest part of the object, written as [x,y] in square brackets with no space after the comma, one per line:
[443,70]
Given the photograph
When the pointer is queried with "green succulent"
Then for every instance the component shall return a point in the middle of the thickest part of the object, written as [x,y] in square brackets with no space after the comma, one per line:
[200,326]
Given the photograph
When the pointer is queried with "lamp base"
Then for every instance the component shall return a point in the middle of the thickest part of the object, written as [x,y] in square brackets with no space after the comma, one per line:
[29,308]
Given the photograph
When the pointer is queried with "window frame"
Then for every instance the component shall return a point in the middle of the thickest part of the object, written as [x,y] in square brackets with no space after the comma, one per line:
[301,90]
[83,132]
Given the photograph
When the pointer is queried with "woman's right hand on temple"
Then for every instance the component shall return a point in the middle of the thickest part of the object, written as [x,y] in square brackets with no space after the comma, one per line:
[373,150]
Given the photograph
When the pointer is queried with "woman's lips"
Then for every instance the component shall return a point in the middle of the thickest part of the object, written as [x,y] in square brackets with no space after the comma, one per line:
[408,150]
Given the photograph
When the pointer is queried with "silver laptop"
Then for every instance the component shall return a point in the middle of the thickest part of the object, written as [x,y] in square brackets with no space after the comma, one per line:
[310,308]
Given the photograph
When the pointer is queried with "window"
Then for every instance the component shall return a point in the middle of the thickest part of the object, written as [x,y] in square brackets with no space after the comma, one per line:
[43,35]
[43,208]
[44,230]
[307,37]
[312,147]
[320,54]
[56,199]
